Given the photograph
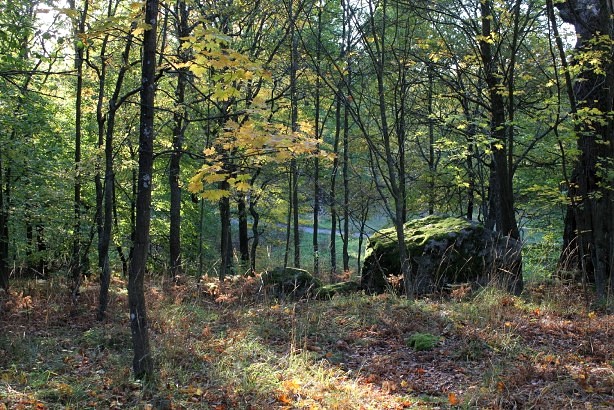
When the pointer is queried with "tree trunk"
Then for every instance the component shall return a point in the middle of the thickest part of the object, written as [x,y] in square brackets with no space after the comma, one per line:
[41,247]
[256,235]
[243,231]
[225,234]
[75,265]
[143,363]
[589,223]
[109,183]
[396,179]
[333,188]
[288,220]
[501,175]
[294,126]
[346,189]
[316,162]
[180,120]
[4,228]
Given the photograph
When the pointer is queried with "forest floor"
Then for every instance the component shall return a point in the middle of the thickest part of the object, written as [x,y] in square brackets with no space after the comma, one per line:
[232,346]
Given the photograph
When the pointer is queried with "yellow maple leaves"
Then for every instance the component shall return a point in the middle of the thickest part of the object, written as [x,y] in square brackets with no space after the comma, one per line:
[247,140]
[249,144]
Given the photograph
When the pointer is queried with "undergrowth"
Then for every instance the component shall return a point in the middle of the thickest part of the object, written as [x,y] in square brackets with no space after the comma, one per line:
[228,346]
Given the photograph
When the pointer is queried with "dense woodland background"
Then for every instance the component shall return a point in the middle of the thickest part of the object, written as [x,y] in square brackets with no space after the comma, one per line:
[283,133]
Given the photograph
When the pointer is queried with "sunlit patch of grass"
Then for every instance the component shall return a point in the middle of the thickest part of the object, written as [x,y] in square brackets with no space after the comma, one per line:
[248,366]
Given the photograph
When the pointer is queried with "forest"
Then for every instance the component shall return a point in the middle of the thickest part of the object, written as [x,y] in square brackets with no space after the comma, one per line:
[163,162]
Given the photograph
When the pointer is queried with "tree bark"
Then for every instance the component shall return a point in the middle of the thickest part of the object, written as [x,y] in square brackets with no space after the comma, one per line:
[180,120]
[589,223]
[225,234]
[346,190]
[142,362]
[316,162]
[294,126]
[243,231]
[108,193]
[4,227]
[253,201]
[75,266]
[501,175]
[333,187]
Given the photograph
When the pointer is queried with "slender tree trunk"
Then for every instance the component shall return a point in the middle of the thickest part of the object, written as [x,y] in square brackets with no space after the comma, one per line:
[346,188]
[364,214]
[143,363]
[75,266]
[333,188]
[225,234]
[294,125]
[316,164]
[118,247]
[4,227]
[109,183]
[180,119]
[243,231]
[289,220]
[431,159]
[256,234]
[41,248]
[396,179]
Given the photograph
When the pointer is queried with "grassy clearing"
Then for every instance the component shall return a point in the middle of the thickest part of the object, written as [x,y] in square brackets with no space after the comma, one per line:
[227,346]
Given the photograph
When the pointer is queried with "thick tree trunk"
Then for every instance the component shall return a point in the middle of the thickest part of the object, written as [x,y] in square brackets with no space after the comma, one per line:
[143,363]
[501,175]
[589,223]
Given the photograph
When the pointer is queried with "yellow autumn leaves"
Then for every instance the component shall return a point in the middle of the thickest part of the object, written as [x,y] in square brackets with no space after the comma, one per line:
[247,146]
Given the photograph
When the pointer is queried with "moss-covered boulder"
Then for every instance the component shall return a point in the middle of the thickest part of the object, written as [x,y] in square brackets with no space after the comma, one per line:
[290,282]
[443,251]
[340,288]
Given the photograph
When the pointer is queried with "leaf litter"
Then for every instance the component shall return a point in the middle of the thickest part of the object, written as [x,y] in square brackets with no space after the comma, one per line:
[228,346]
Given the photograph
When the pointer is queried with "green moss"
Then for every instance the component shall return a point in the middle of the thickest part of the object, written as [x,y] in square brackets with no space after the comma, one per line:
[291,282]
[443,250]
[420,231]
[422,341]
[341,288]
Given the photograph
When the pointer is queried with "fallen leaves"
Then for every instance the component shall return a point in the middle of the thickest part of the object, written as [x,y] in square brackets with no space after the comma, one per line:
[453,399]
[350,351]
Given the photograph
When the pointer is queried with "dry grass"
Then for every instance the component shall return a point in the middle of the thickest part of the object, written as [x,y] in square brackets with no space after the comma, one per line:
[228,346]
